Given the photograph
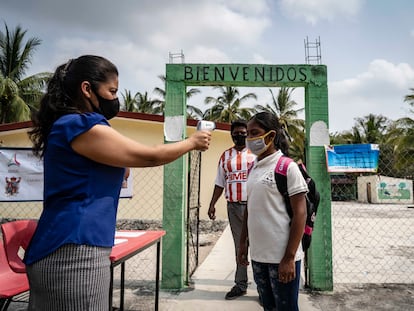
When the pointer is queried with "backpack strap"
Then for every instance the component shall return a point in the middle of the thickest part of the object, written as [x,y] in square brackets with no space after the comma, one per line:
[282,165]
[281,181]
[313,194]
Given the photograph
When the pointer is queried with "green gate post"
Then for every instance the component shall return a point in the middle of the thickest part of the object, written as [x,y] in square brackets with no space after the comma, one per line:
[174,198]
[314,79]
[317,135]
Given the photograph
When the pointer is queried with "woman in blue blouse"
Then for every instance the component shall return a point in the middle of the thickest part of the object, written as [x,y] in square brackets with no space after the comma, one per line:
[84,159]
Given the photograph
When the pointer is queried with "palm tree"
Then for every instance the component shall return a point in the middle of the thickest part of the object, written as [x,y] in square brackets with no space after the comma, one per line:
[352,136]
[140,102]
[372,128]
[148,105]
[367,130]
[227,107]
[12,106]
[284,108]
[130,103]
[18,94]
[192,112]
[401,137]
[32,88]
[410,99]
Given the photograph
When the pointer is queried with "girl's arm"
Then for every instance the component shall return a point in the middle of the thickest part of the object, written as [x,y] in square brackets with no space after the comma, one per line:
[287,271]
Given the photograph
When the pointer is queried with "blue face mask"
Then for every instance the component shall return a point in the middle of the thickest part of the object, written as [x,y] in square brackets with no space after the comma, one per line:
[257,145]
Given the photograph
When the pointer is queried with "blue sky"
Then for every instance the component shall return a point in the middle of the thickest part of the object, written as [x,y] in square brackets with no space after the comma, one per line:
[367,45]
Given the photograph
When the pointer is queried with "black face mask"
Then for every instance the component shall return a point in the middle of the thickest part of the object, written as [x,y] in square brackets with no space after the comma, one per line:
[239,140]
[109,108]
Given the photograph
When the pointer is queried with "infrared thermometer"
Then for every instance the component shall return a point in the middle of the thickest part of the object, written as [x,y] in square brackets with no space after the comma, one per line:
[204,125]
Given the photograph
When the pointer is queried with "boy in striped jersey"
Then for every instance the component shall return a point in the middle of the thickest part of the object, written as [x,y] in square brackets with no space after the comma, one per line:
[232,177]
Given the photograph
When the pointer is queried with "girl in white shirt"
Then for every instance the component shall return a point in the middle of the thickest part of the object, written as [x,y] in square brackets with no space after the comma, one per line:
[274,238]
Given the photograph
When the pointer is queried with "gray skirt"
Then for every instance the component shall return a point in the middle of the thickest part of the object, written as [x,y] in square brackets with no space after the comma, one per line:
[73,278]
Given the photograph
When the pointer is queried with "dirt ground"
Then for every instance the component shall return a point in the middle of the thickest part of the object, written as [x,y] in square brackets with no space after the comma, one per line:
[344,297]
[367,297]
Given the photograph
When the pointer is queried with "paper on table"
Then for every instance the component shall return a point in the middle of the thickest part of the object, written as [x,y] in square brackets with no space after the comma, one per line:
[119,241]
[128,234]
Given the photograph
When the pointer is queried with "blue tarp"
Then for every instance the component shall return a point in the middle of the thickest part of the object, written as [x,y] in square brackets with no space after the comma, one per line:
[352,158]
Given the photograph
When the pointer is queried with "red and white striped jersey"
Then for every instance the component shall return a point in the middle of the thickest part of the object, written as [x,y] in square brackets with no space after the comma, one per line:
[232,173]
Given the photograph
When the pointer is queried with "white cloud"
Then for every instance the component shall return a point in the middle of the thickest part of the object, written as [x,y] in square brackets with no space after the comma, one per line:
[139,35]
[315,10]
[206,54]
[214,25]
[161,23]
[259,59]
[139,68]
[380,90]
[248,7]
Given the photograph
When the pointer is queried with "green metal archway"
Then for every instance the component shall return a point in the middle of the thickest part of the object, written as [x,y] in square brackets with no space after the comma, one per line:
[314,80]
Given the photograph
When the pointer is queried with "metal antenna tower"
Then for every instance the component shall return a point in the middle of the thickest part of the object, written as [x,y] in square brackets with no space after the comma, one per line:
[315,48]
[179,55]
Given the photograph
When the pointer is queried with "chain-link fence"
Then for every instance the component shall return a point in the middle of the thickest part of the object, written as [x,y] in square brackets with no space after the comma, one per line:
[141,211]
[372,223]
[193,212]
[372,242]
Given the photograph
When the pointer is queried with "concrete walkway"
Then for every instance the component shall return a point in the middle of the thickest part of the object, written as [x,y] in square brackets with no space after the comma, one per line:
[213,279]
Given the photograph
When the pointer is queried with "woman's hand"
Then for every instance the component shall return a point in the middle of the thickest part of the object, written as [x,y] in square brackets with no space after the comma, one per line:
[201,140]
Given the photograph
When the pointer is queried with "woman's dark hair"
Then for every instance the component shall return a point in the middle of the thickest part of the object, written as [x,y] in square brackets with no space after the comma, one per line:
[268,121]
[64,96]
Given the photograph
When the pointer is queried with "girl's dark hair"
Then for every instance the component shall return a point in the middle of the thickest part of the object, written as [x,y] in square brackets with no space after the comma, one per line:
[64,96]
[268,121]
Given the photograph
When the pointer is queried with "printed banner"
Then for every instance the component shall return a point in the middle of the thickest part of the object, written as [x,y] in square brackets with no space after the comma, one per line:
[352,158]
[21,176]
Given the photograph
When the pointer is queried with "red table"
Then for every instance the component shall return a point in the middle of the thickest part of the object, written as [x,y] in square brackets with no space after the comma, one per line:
[132,242]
